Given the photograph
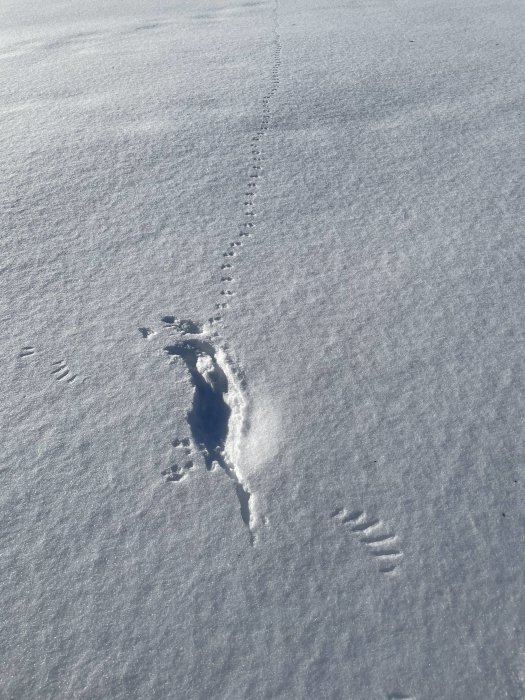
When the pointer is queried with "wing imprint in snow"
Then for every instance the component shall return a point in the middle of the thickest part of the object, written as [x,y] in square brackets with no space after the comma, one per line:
[61,372]
[378,540]
[26,351]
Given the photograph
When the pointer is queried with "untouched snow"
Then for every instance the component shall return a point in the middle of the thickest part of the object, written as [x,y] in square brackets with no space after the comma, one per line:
[263,309]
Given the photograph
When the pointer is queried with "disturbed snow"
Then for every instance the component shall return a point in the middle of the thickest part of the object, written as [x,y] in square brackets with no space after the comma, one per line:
[262,283]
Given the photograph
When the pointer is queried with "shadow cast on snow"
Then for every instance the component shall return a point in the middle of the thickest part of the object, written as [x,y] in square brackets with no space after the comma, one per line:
[210,414]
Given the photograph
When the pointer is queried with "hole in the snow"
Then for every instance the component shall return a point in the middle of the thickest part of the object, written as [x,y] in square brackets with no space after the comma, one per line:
[210,414]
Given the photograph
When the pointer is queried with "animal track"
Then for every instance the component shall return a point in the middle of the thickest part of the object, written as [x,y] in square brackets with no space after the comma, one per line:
[27,351]
[256,165]
[177,471]
[146,332]
[61,372]
[183,325]
[379,541]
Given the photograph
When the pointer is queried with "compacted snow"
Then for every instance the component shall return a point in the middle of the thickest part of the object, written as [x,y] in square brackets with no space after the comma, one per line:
[263,310]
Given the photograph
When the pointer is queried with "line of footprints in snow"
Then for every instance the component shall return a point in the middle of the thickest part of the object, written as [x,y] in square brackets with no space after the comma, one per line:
[59,369]
[248,225]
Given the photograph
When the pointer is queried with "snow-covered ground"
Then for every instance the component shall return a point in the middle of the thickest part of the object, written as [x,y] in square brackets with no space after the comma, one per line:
[263,306]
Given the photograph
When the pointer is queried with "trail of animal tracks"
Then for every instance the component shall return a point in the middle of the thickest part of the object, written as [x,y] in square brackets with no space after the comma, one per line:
[262,299]
[218,418]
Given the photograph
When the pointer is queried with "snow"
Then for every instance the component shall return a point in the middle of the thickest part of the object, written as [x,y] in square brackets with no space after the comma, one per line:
[356,169]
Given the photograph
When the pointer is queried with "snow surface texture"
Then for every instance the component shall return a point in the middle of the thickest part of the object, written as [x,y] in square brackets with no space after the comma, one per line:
[262,286]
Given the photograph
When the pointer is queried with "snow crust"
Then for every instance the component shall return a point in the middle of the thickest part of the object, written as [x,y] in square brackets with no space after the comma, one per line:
[303,219]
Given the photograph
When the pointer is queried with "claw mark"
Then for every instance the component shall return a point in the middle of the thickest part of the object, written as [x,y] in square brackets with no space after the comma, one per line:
[27,351]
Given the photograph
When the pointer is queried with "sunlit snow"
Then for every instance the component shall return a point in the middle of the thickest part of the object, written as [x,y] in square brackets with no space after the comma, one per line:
[263,310]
